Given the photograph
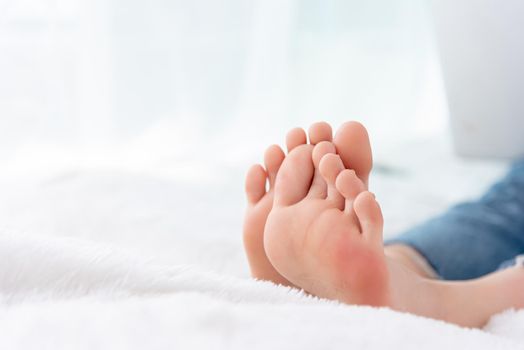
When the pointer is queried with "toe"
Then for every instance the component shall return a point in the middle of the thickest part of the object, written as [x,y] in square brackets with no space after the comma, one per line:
[273,158]
[349,185]
[330,166]
[370,216]
[320,150]
[353,146]
[319,186]
[295,137]
[294,177]
[255,184]
[319,132]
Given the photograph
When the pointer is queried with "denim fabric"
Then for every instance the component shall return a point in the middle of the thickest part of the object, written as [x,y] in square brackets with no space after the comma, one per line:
[475,238]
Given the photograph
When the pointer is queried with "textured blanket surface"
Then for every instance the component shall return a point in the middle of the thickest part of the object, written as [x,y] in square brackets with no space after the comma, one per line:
[70,294]
[101,258]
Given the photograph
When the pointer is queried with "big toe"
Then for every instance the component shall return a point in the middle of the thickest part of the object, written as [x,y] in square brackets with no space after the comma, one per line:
[353,146]
[294,177]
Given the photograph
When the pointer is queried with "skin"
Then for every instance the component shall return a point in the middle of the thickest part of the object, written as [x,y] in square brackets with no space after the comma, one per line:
[352,143]
[318,228]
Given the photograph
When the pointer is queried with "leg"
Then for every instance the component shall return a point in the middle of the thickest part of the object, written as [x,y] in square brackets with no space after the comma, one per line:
[330,244]
[465,303]
[471,239]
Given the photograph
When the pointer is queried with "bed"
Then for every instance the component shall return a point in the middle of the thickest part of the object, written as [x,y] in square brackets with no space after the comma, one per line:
[97,257]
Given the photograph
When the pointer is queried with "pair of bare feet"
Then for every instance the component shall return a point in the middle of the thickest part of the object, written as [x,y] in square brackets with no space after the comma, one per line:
[313,191]
[317,227]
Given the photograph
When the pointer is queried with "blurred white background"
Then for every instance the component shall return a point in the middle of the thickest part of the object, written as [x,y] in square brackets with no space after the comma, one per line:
[126,83]
[132,123]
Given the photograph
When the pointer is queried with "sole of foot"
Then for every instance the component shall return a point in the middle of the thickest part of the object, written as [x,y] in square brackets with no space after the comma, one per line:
[259,188]
[324,232]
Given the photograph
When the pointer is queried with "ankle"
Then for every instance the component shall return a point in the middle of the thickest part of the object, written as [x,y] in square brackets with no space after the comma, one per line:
[413,293]
[411,259]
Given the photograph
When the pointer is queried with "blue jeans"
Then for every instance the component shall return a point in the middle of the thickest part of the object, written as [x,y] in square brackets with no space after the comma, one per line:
[475,238]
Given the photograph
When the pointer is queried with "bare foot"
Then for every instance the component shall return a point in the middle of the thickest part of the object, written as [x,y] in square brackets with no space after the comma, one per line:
[352,144]
[324,233]
[260,200]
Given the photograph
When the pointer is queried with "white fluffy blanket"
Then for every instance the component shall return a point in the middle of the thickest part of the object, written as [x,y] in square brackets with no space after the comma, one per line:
[107,260]
[69,294]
